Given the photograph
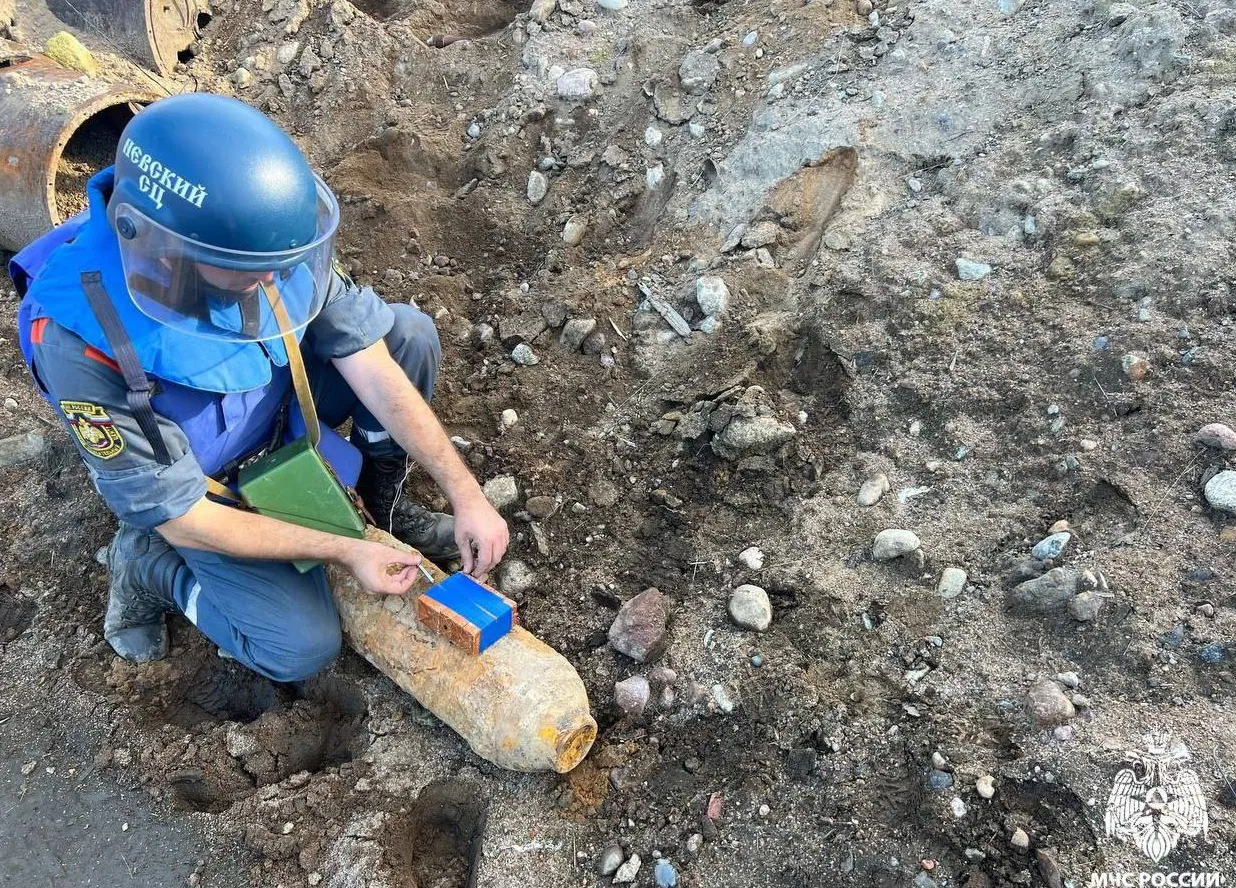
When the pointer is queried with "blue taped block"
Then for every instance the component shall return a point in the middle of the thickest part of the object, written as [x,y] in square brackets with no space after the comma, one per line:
[482,607]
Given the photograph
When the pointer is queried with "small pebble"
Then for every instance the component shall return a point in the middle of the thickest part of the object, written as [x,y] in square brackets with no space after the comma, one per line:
[538,187]
[1085,606]
[1220,491]
[509,418]
[653,137]
[939,780]
[1068,679]
[1063,733]
[863,7]
[665,875]
[969,270]
[721,696]
[578,84]
[524,355]
[631,695]
[1020,840]
[757,661]
[952,582]
[752,558]
[871,491]
[628,871]
[959,807]
[574,230]
[1048,704]
[1051,547]
[10,403]
[986,786]
[1211,653]
[1135,366]
[765,810]
[474,130]
[1081,701]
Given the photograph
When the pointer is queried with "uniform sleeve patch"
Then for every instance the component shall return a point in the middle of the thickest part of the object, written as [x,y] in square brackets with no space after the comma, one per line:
[94,429]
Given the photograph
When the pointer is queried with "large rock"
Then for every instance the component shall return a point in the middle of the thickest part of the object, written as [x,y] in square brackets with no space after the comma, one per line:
[890,544]
[1048,704]
[1047,594]
[749,435]
[639,629]
[1221,492]
[750,608]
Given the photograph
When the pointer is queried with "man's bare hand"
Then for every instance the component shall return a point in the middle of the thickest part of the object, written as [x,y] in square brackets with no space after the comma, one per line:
[380,569]
[482,536]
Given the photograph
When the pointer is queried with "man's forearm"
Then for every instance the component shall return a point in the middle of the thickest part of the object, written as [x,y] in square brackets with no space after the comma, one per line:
[241,534]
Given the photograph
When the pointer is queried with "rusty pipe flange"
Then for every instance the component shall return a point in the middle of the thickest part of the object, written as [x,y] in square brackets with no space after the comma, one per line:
[44,107]
[150,33]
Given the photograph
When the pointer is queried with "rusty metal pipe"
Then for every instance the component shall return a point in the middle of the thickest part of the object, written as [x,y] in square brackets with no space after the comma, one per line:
[151,33]
[42,108]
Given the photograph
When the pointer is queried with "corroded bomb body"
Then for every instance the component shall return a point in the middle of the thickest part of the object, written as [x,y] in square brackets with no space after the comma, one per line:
[519,704]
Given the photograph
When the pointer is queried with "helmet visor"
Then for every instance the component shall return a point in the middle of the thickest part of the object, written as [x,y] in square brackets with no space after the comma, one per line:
[217,293]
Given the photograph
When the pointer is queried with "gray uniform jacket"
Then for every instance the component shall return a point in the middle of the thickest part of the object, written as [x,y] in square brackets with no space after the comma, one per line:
[90,393]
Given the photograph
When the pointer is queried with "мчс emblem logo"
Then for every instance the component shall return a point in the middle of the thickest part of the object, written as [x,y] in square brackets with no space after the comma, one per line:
[93,428]
[1153,802]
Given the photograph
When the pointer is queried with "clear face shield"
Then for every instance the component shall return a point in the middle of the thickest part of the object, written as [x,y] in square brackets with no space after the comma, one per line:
[217,293]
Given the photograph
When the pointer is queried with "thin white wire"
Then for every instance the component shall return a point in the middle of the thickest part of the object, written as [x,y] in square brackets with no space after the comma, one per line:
[407,470]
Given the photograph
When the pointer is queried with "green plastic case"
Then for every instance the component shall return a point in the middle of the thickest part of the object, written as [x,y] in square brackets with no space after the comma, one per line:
[294,484]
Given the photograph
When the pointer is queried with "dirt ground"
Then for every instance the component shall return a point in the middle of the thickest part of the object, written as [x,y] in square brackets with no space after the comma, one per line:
[1079,159]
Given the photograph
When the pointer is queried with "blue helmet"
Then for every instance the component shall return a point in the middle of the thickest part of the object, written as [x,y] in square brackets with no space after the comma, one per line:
[218,214]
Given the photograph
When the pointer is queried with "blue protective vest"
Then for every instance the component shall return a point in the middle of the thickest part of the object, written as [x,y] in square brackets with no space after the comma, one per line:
[225,396]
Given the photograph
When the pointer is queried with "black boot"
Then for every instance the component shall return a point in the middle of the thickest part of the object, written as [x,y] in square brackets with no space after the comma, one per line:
[380,486]
[134,625]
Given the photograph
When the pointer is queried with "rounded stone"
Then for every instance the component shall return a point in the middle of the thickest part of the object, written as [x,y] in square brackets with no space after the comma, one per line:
[609,861]
[750,608]
[894,543]
[1221,491]
[538,186]
[1048,704]
[752,558]
[1216,434]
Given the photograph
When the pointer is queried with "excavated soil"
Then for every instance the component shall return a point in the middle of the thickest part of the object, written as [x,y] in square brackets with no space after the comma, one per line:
[832,168]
